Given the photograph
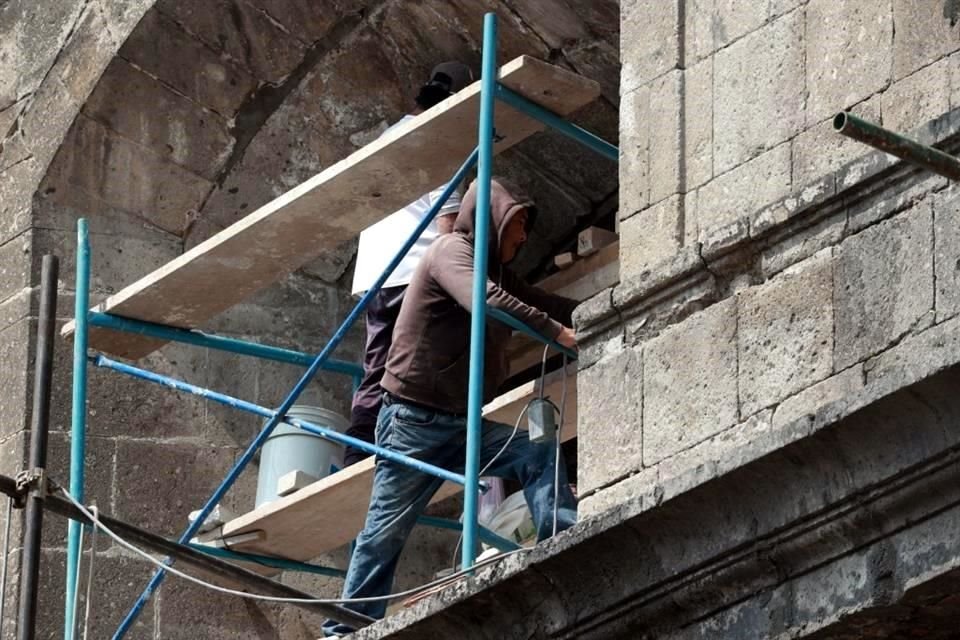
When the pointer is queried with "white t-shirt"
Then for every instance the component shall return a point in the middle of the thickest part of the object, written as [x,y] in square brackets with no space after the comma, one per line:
[380,242]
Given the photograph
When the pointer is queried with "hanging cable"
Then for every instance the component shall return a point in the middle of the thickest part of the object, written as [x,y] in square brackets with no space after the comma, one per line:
[90,565]
[255,596]
[556,457]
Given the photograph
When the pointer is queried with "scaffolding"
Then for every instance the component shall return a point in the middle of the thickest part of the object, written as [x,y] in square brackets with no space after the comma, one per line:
[146,335]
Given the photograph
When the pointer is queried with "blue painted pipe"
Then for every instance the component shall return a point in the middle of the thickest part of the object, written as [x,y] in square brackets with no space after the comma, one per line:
[249,407]
[471,469]
[522,327]
[220,343]
[78,421]
[324,355]
[486,535]
[268,561]
[552,120]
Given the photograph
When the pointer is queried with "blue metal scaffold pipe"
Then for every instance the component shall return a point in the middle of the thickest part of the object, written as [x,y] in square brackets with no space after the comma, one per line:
[219,343]
[268,429]
[78,421]
[263,412]
[523,328]
[532,109]
[478,320]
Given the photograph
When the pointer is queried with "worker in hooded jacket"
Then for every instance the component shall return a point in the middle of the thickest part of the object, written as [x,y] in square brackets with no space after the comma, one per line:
[425,400]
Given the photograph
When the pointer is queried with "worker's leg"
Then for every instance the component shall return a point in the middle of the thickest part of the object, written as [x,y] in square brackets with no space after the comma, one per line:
[381,317]
[400,494]
[534,465]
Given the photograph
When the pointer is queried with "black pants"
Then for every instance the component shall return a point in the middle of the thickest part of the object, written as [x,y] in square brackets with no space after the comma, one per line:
[382,315]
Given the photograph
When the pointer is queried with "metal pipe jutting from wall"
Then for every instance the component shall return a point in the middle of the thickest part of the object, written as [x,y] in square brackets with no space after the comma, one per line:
[478,319]
[922,155]
[36,469]
[318,362]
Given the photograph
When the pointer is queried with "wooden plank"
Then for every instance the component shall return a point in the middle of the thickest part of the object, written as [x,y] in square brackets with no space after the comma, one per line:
[330,512]
[332,207]
[592,239]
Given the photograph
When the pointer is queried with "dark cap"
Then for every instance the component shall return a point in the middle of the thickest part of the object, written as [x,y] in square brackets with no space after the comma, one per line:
[452,76]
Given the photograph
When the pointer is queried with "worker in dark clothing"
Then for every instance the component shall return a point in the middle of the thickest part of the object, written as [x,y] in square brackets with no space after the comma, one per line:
[378,245]
[425,399]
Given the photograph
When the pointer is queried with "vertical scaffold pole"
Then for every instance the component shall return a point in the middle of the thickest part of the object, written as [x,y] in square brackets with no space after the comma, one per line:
[488,88]
[78,422]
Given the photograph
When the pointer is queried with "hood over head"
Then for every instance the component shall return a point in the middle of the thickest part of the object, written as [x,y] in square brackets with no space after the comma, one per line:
[506,198]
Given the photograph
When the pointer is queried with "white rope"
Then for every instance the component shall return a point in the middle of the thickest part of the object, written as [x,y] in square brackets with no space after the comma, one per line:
[556,457]
[76,585]
[254,596]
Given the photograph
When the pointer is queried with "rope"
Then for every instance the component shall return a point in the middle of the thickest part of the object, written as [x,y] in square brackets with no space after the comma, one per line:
[255,596]
[93,555]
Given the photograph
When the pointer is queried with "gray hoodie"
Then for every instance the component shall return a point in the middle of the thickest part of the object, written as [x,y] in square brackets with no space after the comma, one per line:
[429,360]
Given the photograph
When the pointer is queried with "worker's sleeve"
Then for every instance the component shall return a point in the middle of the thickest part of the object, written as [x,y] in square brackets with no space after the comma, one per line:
[454,274]
[557,307]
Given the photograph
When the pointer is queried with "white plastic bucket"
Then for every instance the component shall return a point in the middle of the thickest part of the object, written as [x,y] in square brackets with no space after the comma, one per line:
[291,449]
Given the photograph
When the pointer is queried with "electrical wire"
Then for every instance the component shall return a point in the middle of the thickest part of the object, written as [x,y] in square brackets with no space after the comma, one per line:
[256,596]
[556,456]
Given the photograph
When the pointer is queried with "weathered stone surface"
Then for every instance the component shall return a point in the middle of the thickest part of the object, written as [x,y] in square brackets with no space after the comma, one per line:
[916,357]
[925,32]
[698,124]
[187,135]
[98,481]
[883,284]
[15,308]
[634,151]
[610,402]
[635,490]
[808,401]
[766,65]
[129,177]
[186,609]
[919,97]
[159,46]
[650,238]
[649,41]
[785,334]
[740,192]
[666,135]
[690,382]
[242,32]
[600,60]
[946,233]
[713,24]
[820,150]
[804,243]
[15,265]
[14,353]
[954,62]
[17,185]
[308,20]
[848,54]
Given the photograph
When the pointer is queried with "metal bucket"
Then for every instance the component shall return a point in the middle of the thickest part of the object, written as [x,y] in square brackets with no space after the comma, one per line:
[291,449]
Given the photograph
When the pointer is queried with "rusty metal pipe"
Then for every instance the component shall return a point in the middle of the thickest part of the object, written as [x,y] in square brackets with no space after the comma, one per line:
[893,143]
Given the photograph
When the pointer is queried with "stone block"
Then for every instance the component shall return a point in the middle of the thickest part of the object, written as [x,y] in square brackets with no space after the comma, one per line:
[600,60]
[698,125]
[15,308]
[637,491]
[883,284]
[954,81]
[634,151]
[117,578]
[759,92]
[610,424]
[946,233]
[809,400]
[17,186]
[800,202]
[249,37]
[159,46]
[746,189]
[650,237]
[15,265]
[649,41]
[186,610]
[158,484]
[713,24]
[820,150]
[98,480]
[666,135]
[691,221]
[15,345]
[188,135]
[916,357]
[917,98]
[785,333]
[848,54]
[128,177]
[690,382]
[926,31]
[802,244]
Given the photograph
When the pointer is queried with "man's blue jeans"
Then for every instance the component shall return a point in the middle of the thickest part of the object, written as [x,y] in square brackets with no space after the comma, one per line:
[401,493]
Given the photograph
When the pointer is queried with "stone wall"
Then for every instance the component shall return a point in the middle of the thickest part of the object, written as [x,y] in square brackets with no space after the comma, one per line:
[768,265]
